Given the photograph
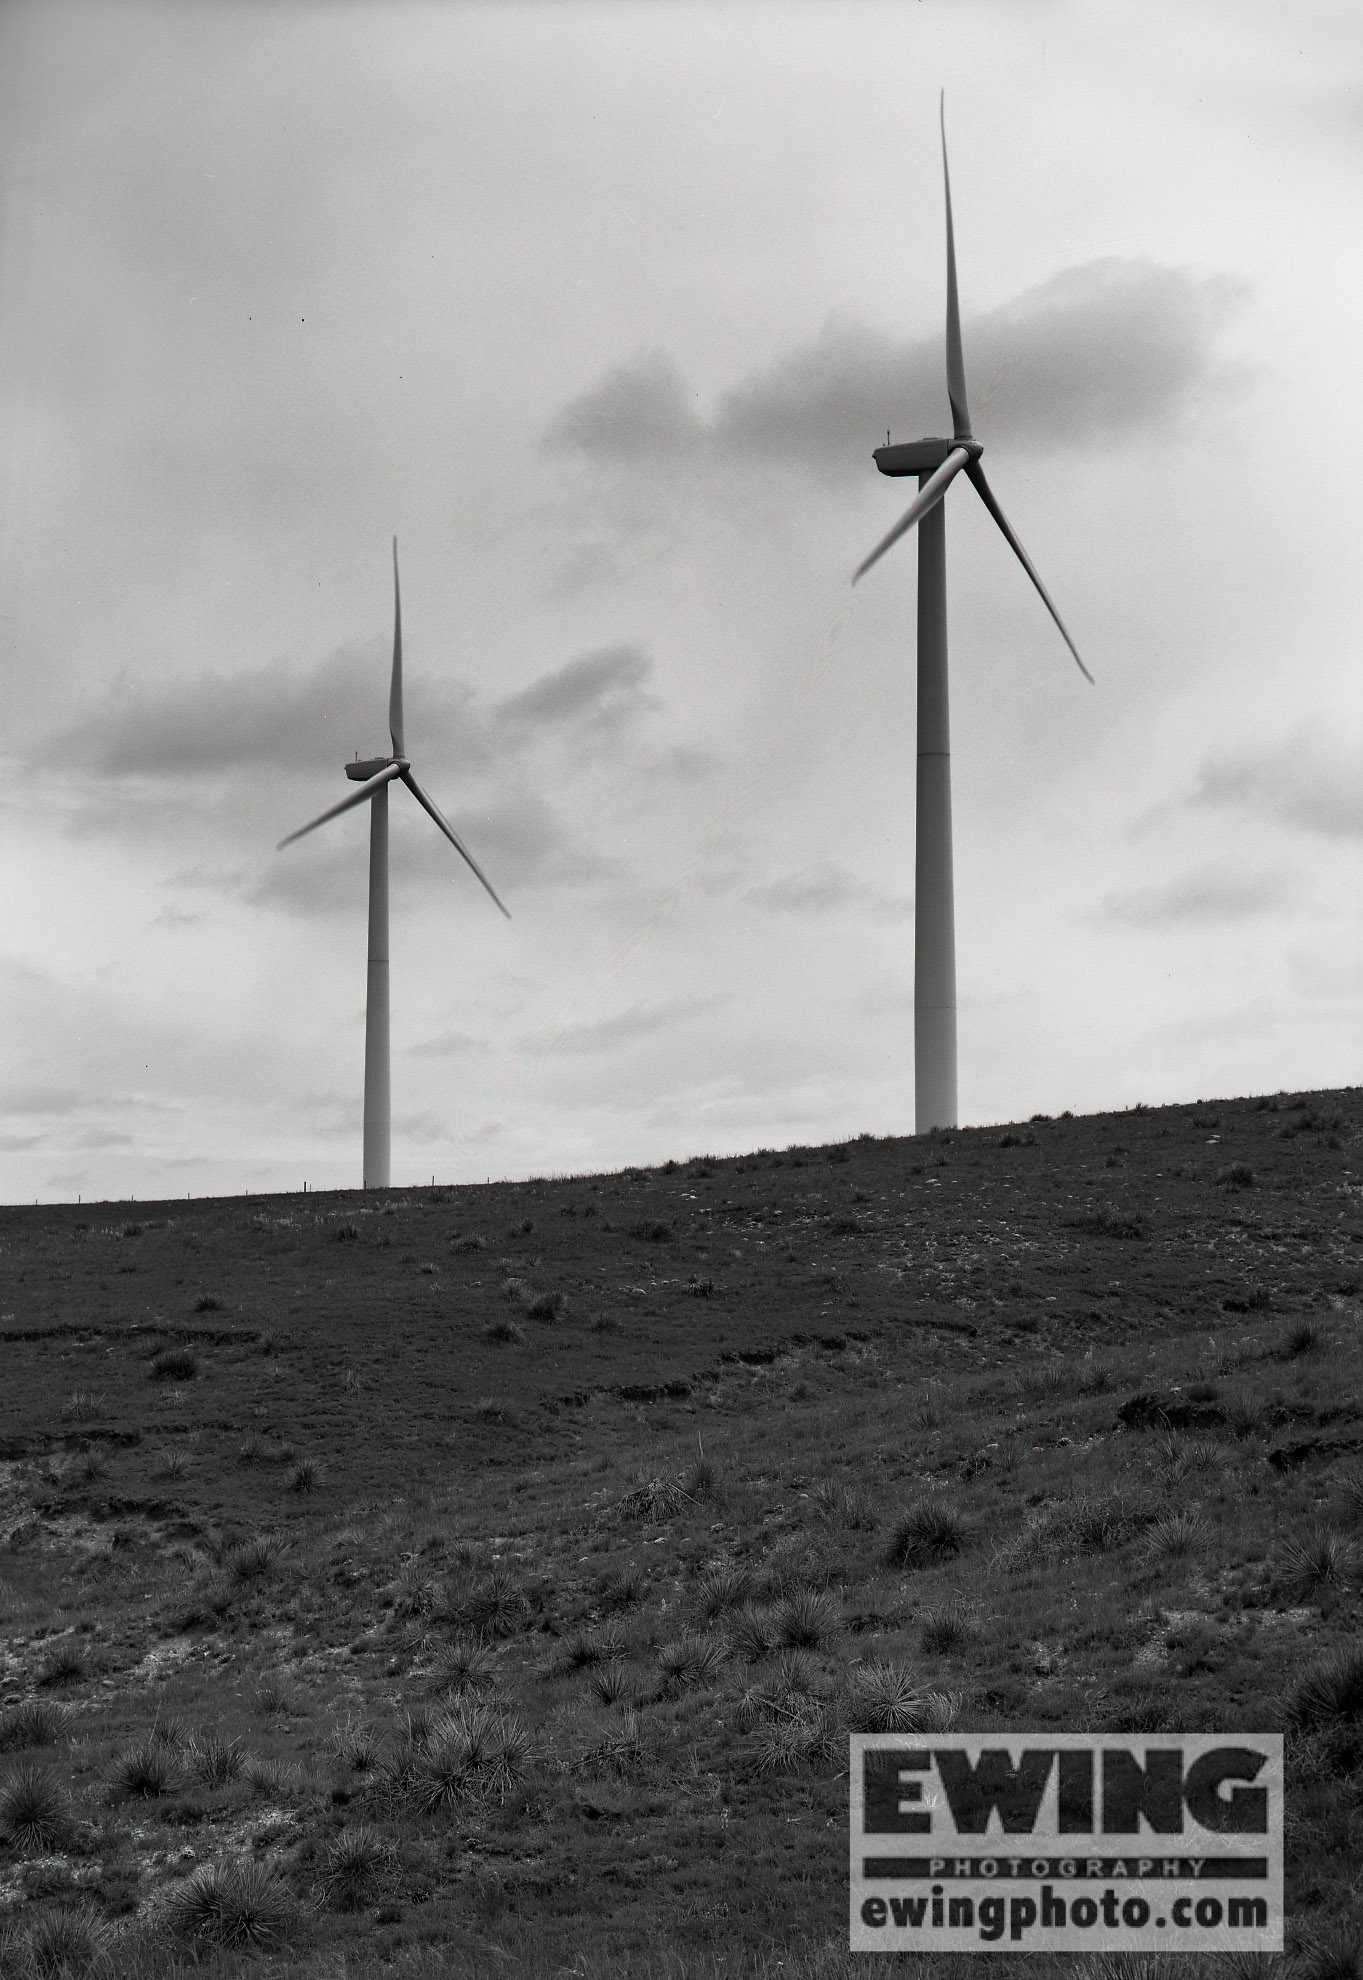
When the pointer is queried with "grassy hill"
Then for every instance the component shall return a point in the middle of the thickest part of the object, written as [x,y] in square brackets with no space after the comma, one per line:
[484,1581]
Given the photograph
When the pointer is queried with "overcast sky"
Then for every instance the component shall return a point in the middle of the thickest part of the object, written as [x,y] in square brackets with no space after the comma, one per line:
[601,310]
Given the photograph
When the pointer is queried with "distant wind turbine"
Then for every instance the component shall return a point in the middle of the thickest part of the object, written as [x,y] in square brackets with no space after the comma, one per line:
[936,464]
[375,774]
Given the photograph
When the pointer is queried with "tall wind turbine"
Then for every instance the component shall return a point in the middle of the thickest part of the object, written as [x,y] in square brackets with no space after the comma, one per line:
[374,775]
[936,464]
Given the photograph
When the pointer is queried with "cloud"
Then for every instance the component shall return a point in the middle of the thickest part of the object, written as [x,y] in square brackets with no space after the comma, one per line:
[519,841]
[640,410]
[275,717]
[40,1098]
[600,690]
[294,718]
[1213,893]
[448,1045]
[1305,781]
[1096,354]
[828,890]
[639,1021]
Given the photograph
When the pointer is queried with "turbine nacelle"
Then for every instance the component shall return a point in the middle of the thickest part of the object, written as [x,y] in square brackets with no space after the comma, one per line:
[921,456]
[363,768]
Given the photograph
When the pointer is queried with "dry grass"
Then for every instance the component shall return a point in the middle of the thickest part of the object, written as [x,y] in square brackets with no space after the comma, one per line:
[996,1471]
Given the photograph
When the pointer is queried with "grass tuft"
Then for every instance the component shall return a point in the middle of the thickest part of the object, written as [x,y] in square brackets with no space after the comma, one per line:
[690,1661]
[65,1943]
[477,1752]
[215,1759]
[701,1485]
[949,1626]
[598,1644]
[34,1814]
[493,1603]
[240,1905]
[1348,1484]
[1334,1952]
[620,1588]
[355,1869]
[656,1498]
[147,1769]
[504,1330]
[787,1745]
[81,1406]
[63,1665]
[357,1746]
[925,1535]
[751,1635]
[1323,1558]
[805,1619]
[721,1588]
[1237,1175]
[1244,1416]
[1330,1690]
[612,1683]
[175,1364]
[305,1476]
[459,1667]
[1177,1535]
[246,1561]
[883,1698]
[846,1505]
[33,1722]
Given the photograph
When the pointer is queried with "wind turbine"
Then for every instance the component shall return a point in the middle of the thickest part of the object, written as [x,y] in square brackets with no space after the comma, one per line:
[374,775]
[936,464]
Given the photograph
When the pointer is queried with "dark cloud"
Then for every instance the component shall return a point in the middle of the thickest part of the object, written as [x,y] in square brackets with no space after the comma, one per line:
[828,890]
[601,691]
[37,1097]
[1305,781]
[268,717]
[1096,354]
[520,842]
[639,1021]
[287,718]
[1217,893]
[640,410]
[448,1045]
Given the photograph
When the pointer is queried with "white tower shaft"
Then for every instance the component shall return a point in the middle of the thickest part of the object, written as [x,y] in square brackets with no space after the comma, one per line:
[377,1104]
[934,958]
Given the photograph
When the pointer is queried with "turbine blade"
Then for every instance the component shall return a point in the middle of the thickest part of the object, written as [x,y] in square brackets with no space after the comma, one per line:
[361,796]
[429,805]
[960,411]
[395,691]
[928,496]
[986,494]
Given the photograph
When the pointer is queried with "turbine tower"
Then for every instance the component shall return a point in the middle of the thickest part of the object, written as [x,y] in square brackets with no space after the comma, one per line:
[374,775]
[936,463]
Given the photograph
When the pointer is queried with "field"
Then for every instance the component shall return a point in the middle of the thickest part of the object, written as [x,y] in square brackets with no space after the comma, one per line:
[485,1580]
